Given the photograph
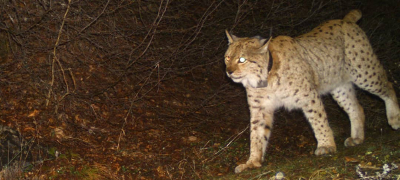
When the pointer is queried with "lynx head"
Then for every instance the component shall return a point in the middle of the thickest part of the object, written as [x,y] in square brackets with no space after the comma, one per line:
[247,60]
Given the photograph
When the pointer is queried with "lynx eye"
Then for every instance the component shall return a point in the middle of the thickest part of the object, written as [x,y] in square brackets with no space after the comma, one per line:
[242,59]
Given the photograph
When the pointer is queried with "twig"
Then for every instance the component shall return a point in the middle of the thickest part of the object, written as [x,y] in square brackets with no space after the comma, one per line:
[152,31]
[201,22]
[94,20]
[238,12]
[231,139]
[55,59]
[131,107]
[156,22]
[261,175]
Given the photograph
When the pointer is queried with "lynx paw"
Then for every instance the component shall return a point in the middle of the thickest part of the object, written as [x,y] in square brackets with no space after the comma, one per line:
[249,164]
[395,122]
[353,141]
[325,150]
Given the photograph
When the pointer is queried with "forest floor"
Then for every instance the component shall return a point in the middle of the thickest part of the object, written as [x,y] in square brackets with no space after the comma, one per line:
[185,143]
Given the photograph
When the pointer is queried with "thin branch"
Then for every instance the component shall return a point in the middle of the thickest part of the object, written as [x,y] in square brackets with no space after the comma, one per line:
[55,59]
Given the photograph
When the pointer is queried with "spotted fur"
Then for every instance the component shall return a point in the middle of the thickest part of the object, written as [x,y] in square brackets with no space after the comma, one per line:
[329,59]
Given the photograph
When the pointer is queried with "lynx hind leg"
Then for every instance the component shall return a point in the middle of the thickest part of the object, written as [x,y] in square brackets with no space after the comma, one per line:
[368,74]
[392,107]
[316,115]
[374,80]
[345,96]
[260,133]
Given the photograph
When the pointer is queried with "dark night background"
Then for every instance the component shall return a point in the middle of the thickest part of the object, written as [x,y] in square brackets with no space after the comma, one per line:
[136,89]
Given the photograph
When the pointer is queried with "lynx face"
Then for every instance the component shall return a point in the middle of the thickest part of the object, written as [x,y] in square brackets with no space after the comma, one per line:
[247,61]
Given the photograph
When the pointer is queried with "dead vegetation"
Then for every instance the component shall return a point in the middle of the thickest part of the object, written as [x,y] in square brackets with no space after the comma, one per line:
[137,89]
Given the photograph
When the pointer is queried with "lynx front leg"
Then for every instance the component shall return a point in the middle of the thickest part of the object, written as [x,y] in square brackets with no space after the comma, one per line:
[345,96]
[316,115]
[260,131]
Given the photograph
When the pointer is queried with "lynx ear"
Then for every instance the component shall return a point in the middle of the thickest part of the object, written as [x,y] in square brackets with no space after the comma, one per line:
[264,48]
[231,38]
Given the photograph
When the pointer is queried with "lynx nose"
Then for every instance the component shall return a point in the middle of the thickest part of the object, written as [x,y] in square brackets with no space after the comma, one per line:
[229,70]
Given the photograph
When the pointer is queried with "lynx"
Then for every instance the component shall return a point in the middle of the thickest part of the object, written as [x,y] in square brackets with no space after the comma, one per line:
[295,72]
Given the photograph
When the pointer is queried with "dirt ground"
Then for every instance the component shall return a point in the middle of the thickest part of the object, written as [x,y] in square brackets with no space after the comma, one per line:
[138,90]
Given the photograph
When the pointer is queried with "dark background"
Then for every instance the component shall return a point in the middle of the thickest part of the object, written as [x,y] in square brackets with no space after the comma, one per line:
[137,89]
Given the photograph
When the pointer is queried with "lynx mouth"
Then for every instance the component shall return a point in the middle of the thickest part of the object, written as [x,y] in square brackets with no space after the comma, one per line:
[249,81]
[235,77]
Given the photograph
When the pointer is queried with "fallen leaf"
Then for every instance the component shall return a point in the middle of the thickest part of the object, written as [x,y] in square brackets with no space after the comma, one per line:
[192,138]
[34,113]
[351,160]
